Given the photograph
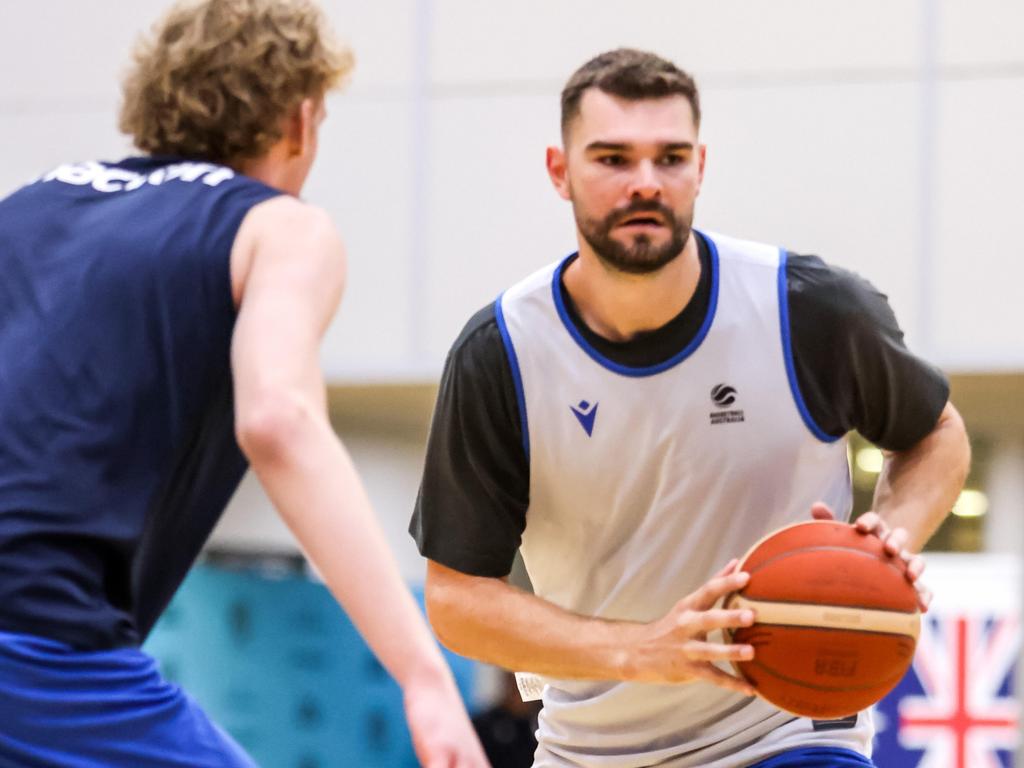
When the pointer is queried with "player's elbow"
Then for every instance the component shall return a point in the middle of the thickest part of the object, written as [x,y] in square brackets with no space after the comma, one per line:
[950,438]
[444,604]
[269,426]
[954,423]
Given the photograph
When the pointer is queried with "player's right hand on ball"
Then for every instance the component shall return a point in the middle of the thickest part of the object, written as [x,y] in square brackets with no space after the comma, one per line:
[676,649]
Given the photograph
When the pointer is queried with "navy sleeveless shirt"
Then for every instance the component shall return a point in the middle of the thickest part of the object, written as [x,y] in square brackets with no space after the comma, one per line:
[117,446]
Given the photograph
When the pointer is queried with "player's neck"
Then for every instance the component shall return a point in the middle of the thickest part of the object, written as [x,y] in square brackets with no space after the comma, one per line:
[618,306]
[274,168]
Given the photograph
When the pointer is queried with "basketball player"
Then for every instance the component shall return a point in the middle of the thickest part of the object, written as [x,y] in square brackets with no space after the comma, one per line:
[634,416]
[156,314]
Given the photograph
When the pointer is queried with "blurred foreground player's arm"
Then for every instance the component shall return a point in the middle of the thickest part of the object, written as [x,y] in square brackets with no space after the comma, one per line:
[288,270]
[469,518]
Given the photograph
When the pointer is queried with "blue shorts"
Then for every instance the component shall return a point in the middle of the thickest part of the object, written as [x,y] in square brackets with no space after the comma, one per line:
[100,709]
[815,757]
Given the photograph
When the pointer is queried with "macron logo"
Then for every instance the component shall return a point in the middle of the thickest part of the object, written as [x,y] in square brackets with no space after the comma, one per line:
[585,413]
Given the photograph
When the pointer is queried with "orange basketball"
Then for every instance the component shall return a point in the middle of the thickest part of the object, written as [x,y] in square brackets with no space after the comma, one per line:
[836,619]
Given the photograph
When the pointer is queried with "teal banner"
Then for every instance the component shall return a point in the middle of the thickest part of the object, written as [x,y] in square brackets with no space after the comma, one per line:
[276,663]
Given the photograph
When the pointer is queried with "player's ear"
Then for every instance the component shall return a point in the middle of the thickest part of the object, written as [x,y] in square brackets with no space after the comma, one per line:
[558,171]
[702,154]
[300,127]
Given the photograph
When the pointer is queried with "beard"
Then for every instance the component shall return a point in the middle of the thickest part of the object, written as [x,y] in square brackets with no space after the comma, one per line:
[641,256]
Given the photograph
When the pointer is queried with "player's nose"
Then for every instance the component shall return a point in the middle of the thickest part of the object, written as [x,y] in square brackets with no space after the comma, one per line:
[644,182]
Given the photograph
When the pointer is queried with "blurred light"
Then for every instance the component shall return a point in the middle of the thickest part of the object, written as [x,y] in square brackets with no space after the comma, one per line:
[870,460]
[971,503]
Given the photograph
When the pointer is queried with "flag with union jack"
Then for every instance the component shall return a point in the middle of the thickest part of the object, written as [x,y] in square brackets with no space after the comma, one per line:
[957,707]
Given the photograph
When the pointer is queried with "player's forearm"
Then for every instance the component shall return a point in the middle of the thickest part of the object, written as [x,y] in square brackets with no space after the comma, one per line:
[918,486]
[311,480]
[492,621]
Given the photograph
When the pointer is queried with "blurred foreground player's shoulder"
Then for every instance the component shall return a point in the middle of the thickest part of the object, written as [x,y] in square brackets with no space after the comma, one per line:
[296,236]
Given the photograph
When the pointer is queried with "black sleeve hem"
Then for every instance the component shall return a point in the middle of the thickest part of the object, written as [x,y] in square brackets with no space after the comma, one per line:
[930,411]
[466,564]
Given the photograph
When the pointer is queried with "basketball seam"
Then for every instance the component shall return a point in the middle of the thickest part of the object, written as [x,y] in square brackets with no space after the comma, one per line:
[827,629]
[820,548]
[813,615]
[822,605]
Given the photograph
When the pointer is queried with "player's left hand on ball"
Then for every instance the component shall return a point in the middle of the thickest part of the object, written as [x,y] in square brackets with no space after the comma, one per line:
[441,732]
[894,540]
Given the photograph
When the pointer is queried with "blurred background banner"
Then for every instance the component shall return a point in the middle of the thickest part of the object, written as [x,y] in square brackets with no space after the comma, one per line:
[959,706]
[268,654]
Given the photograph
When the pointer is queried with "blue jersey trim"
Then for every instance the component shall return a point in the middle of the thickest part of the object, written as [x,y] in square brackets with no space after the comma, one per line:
[815,757]
[517,378]
[626,370]
[787,353]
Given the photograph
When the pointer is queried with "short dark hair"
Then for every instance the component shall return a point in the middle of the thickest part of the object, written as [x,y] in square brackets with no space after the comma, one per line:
[629,74]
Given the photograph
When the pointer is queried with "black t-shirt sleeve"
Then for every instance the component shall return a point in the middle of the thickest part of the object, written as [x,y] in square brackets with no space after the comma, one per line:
[471,509]
[852,367]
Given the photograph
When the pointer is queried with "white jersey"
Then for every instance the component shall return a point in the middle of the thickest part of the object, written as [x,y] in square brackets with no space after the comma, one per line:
[645,482]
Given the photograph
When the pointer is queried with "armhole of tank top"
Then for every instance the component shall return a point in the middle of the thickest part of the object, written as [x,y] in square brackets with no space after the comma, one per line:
[787,354]
[248,198]
[517,379]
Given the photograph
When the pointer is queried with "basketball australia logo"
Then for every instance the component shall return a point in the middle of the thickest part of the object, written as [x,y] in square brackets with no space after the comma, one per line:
[722,396]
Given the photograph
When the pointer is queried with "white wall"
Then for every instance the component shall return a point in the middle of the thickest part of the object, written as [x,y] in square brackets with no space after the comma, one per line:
[883,135]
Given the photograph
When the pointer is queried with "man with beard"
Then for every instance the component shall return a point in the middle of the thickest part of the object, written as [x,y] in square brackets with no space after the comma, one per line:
[637,414]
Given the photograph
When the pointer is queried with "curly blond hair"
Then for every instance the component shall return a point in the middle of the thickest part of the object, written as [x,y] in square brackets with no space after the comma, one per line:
[215,78]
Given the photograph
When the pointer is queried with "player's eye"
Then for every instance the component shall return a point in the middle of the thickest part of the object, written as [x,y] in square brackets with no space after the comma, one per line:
[611,160]
[672,159]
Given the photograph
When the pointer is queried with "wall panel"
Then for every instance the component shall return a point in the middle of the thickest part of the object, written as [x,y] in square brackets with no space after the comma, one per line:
[493,216]
[979,258]
[35,142]
[363,179]
[981,32]
[831,170]
[546,40]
